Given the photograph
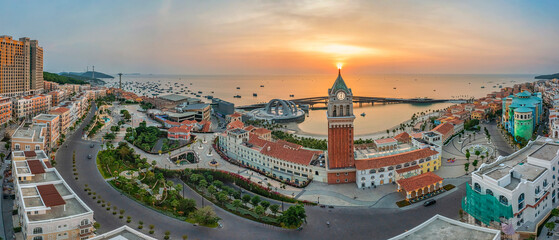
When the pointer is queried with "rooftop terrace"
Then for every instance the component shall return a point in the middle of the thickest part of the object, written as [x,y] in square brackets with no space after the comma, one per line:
[30,131]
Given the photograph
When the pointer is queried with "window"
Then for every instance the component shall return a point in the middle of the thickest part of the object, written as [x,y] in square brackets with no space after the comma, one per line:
[337,174]
[337,180]
[382,176]
[373,171]
[37,230]
[84,222]
[27,148]
[373,177]
[390,168]
[477,187]
[38,238]
[489,192]
[521,201]
[503,200]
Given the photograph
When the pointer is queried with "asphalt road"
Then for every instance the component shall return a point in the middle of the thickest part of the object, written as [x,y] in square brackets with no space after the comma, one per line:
[345,222]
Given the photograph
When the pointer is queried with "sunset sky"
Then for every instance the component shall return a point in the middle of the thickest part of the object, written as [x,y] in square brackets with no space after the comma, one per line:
[285,37]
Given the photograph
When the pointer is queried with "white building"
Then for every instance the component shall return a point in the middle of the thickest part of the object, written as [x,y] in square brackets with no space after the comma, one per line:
[279,159]
[47,206]
[523,183]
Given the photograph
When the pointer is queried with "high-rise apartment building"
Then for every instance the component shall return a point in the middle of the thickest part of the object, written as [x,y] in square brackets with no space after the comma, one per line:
[21,66]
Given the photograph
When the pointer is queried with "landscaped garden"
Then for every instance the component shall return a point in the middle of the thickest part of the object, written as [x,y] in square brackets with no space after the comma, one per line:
[216,186]
[141,181]
[151,186]
[146,138]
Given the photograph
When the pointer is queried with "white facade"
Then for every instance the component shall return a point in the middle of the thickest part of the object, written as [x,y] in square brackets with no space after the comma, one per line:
[525,180]
[234,143]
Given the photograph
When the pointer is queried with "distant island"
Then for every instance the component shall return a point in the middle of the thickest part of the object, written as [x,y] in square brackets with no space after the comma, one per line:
[53,77]
[550,76]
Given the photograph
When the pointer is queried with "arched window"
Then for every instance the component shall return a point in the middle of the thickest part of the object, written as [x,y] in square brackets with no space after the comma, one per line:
[421,160]
[373,171]
[363,179]
[389,174]
[520,202]
[38,238]
[84,222]
[382,176]
[406,164]
[477,187]
[37,230]
[347,110]
[413,163]
[489,192]
[372,177]
[398,166]
[390,168]
[503,200]
[381,170]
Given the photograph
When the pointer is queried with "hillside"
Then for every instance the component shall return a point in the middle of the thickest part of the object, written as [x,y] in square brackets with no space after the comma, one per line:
[52,77]
[97,75]
[93,81]
[550,76]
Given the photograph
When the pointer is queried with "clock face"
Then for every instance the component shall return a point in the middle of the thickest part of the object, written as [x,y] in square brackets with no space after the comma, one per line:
[341,95]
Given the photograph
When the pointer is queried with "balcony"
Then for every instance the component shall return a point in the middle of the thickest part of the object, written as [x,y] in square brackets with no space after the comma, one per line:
[86,226]
[86,233]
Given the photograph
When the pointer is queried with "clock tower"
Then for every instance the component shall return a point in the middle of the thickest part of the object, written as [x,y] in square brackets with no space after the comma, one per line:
[340,133]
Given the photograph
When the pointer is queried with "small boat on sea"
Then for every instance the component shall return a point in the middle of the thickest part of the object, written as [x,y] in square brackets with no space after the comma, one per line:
[482,86]
[362,114]
[237,96]
[255,95]
[291,95]
[238,87]
[261,85]
[394,88]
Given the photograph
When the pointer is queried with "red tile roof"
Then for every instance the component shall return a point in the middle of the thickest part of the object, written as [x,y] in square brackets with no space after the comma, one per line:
[261,131]
[181,129]
[443,128]
[188,122]
[60,110]
[287,153]
[395,159]
[408,169]
[384,140]
[402,137]
[249,128]
[419,181]
[256,140]
[29,154]
[35,166]
[235,115]
[47,163]
[235,124]
[50,195]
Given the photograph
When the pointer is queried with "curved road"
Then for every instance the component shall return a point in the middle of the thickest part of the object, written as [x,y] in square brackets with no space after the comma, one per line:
[354,222]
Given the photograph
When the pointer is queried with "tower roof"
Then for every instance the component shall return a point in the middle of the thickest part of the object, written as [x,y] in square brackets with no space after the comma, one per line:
[339,84]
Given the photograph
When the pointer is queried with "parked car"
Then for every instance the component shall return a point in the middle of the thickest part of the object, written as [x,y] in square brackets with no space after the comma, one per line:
[91,145]
[429,202]
[89,156]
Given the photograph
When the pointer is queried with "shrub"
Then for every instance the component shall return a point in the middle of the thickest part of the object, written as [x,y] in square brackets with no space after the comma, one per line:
[403,203]
[140,226]
[17,229]
[448,187]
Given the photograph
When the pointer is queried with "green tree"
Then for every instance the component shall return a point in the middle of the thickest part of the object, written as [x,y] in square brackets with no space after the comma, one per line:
[477,153]
[205,216]
[259,210]
[466,166]
[186,205]
[237,203]
[255,200]
[245,199]
[265,205]
[555,213]
[274,208]
[293,216]
[468,155]
[217,184]
[550,226]
[203,183]
[222,197]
